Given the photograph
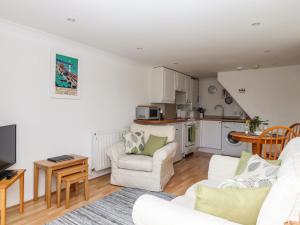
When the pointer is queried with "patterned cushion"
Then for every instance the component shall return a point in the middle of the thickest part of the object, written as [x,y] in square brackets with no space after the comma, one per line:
[258,173]
[134,142]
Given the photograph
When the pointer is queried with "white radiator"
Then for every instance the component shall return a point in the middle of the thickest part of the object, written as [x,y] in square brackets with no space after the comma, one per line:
[101,142]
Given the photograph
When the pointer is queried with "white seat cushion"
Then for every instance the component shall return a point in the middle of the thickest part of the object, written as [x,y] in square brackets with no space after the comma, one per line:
[136,162]
[209,183]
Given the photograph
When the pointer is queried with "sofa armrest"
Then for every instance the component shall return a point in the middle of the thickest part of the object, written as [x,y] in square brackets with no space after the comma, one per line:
[116,152]
[222,167]
[167,213]
[166,152]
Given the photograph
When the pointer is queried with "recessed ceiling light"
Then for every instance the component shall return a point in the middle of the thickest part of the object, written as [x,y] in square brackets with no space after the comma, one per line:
[70,19]
[267,51]
[240,68]
[256,66]
[256,24]
[139,48]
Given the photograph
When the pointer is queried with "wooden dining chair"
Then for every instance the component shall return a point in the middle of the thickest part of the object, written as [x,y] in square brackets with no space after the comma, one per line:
[272,141]
[296,129]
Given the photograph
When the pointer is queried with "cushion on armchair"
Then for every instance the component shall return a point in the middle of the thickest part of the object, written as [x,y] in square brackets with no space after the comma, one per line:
[136,162]
[161,131]
[134,142]
[240,205]
[245,156]
[153,144]
[258,173]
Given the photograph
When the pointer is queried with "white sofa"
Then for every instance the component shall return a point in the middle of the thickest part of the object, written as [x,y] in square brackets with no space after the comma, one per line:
[139,171]
[283,198]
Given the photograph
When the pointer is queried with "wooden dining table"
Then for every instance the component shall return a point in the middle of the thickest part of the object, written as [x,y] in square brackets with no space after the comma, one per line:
[255,140]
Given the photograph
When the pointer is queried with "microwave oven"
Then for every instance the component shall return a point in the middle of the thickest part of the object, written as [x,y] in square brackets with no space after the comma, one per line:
[147,112]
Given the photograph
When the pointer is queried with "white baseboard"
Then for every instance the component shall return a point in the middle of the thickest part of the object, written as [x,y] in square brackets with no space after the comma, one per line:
[95,174]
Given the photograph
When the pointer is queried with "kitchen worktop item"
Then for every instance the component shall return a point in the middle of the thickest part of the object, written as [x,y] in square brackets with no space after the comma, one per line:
[180,120]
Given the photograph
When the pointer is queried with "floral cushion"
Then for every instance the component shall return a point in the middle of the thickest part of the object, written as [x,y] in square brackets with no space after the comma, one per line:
[258,173]
[134,142]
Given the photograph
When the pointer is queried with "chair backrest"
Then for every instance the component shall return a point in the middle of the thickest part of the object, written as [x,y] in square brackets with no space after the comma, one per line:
[296,129]
[157,130]
[272,141]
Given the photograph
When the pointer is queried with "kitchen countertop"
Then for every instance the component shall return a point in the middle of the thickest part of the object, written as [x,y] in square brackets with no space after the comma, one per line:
[225,119]
[181,120]
[158,122]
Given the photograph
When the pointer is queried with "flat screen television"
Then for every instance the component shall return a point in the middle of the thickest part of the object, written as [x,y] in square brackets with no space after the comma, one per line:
[7,147]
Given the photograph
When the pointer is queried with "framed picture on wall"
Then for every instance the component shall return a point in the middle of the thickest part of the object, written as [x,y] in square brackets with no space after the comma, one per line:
[65,76]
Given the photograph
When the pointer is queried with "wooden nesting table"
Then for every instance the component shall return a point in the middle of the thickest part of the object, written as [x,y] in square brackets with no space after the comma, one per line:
[4,185]
[49,167]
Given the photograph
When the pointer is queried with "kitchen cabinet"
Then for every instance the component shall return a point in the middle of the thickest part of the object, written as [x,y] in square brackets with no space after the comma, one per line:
[179,141]
[162,85]
[195,95]
[186,96]
[180,82]
[189,89]
[211,134]
[198,130]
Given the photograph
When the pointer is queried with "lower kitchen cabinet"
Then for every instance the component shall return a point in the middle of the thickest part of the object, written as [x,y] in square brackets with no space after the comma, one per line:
[179,140]
[211,134]
[198,132]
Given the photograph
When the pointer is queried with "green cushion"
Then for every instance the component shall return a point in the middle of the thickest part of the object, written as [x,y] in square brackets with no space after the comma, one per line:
[153,144]
[240,205]
[245,156]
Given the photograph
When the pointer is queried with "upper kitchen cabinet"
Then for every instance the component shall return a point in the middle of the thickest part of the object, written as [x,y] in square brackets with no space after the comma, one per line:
[162,85]
[189,89]
[195,98]
[180,82]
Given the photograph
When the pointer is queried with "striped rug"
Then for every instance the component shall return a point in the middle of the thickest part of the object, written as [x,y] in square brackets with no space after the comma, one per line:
[114,209]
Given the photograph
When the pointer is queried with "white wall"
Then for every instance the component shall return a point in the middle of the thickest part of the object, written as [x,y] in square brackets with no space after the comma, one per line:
[208,101]
[271,93]
[111,87]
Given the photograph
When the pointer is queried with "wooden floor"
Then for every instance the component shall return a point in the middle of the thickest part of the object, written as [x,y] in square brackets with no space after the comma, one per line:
[187,172]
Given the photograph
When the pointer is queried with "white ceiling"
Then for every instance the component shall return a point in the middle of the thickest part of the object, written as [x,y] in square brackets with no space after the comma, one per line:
[202,36]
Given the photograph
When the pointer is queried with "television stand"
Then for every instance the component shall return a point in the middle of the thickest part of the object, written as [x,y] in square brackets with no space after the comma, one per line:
[8,174]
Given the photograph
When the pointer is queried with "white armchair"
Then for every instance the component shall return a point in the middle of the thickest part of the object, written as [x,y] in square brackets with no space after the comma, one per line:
[145,172]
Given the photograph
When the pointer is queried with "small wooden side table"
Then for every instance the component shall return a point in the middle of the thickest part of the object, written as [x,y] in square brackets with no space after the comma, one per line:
[4,185]
[49,167]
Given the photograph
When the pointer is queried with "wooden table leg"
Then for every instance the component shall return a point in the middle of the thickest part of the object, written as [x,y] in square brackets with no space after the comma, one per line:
[254,147]
[58,190]
[36,182]
[68,194]
[22,193]
[48,186]
[3,206]
[86,189]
